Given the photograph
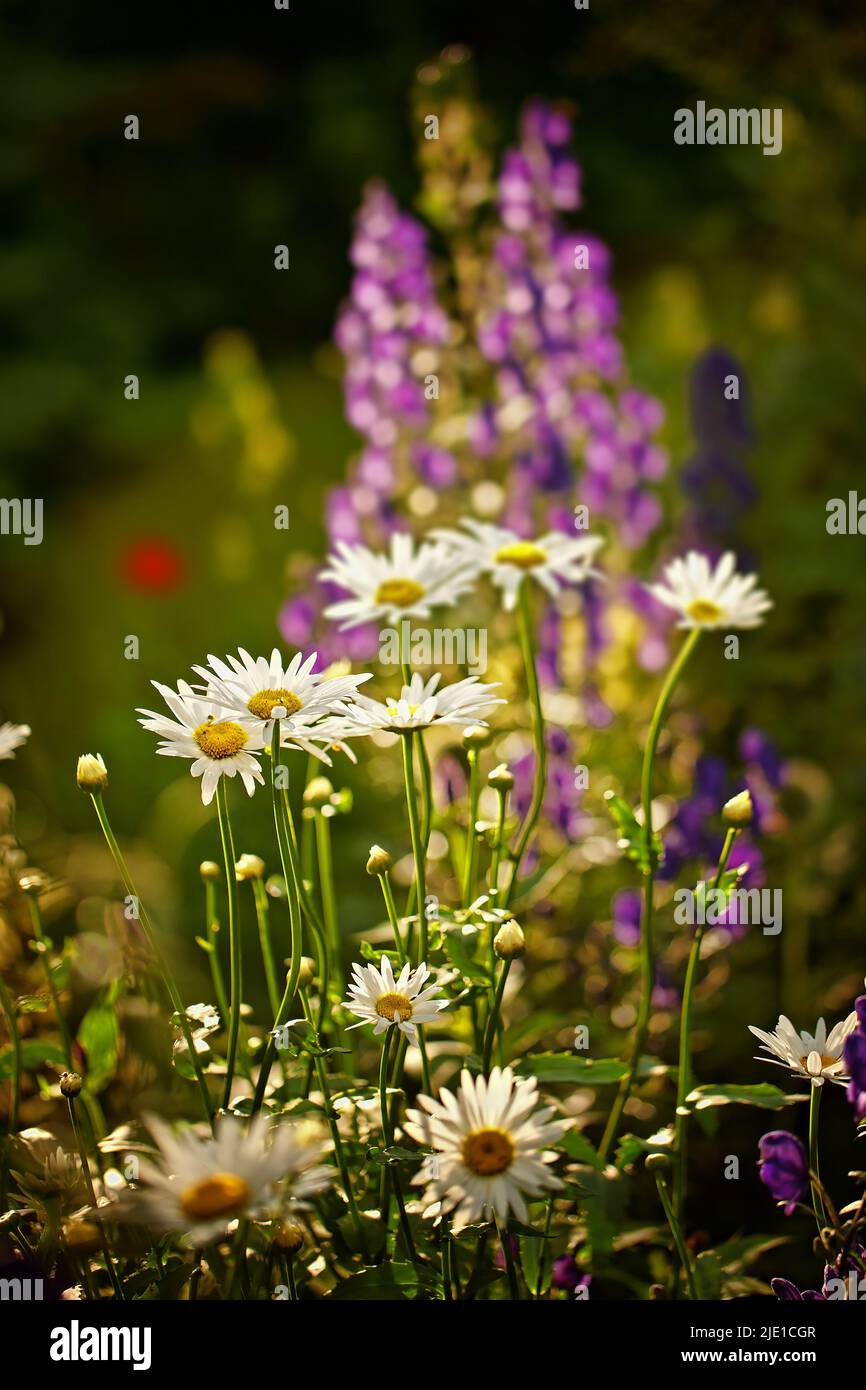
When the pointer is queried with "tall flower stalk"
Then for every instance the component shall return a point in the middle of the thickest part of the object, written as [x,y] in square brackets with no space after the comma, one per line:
[235,961]
[527,646]
[647,951]
[146,926]
[419,856]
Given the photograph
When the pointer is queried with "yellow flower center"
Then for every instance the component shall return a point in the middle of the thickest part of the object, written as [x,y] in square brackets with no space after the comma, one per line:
[394,1005]
[487,1152]
[220,739]
[264,701]
[219,1194]
[401,592]
[524,554]
[825,1060]
[703,610]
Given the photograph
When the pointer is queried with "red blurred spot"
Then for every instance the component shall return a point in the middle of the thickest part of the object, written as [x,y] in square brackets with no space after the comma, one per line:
[153,566]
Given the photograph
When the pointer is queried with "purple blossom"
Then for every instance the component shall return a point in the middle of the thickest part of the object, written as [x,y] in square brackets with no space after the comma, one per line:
[783,1168]
[855,1061]
[566,1274]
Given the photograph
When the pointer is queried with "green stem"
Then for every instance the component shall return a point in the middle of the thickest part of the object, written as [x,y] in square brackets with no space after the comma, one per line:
[471,857]
[493,1020]
[212,928]
[7,1004]
[446,1260]
[817,1201]
[419,856]
[684,1070]
[508,1253]
[339,1154]
[646,940]
[235,961]
[677,1234]
[260,898]
[391,909]
[329,898]
[498,845]
[527,645]
[146,926]
[542,1254]
[97,1210]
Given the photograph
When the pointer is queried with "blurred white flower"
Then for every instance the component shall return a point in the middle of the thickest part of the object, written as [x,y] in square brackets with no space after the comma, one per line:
[817,1056]
[711,598]
[554,560]
[420,704]
[12,736]
[402,583]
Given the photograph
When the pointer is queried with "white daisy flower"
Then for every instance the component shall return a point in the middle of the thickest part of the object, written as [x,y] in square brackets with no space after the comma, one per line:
[219,747]
[711,598]
[12,736]
[490,1145]
[554,560]
[199,1185]
[254,687]
[376,997]
[817,1056]
[403,583]
[420,704]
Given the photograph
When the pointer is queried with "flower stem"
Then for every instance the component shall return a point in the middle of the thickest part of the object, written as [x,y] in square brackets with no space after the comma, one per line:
[493,1020]
[684,1069]
[260,898]
[212,927]
[498,844]
[676,1232]
[97,1210]
[471,856]
[146,926]
[817,1201]
[329,898]
[527,644]
[391,909]
[7,1004]
[646,940]
[508,1254]
[235,962]
[419,856]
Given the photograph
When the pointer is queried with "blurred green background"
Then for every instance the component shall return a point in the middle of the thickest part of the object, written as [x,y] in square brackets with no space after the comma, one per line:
[155,257]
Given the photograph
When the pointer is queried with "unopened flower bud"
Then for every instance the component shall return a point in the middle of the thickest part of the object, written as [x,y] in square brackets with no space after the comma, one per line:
[92,774]
[380,860]
[738,811]
[70,1084]
[33,881]
[308,968]
[476,736]
[501,778]
[249,866]
[289,1236]
[657,1163]
[509,942]
[209,870]
[318,792]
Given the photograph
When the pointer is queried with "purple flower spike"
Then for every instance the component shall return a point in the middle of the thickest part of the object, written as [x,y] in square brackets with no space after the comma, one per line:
[784,1168]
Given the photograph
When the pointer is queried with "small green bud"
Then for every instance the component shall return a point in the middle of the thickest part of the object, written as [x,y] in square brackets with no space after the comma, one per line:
[476,736]
[509,942]
[379,861]
[70,1084]
[318,792]
[249,866]
[738,811]
[92,774]
[501,778]
[209,870]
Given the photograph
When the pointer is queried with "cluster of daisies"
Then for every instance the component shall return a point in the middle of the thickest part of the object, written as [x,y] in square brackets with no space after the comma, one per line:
[225,720]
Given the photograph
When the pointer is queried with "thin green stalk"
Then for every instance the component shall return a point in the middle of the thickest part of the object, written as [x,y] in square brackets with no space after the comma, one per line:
[329,897]
[676,1232]
[817,1200]
[684,1070]
[527,646]
[97,1210]
[471,858]
[646,940]
[508,1253]
[419,855]
[498,844]
[146,926]
[388,1140]
[235,962]
[542,1254]
[212,927]
[445,1238]
[493,1020]
[7,1004]
[260,898]
[391,909]
[339,1154]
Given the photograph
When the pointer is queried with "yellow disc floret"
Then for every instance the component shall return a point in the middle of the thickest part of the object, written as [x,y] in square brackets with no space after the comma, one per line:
[703,610]
[220,739]
[487,1152]
[526,555]
[217,1195]
[394,1006]
[401,592]
[264,702]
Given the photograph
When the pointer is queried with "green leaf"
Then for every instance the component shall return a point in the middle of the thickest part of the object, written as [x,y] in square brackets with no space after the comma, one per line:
[386,1282]
[603,1208]
[460,949]
[631,1147]
[34,1054]
[32,1004]
[99,1036]
[585,1071]
[736,1255]
[644,850]
[576,1145]
[708,1275]
[763,1096]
